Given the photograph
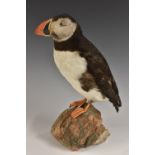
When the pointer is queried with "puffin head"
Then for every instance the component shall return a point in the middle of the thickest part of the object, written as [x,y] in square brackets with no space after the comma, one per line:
[60,28]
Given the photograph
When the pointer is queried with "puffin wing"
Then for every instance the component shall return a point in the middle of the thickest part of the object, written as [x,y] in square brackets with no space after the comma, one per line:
[99,69]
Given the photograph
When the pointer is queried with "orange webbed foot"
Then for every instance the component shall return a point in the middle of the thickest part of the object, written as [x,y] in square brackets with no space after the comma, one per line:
[78,111]
[78,103]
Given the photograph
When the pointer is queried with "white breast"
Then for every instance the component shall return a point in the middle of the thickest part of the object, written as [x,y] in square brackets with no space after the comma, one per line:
[72,66]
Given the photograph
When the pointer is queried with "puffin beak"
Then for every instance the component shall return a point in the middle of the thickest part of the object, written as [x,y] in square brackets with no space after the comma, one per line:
[42,29]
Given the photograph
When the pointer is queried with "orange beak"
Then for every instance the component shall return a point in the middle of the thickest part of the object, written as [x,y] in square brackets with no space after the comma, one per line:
[40,28]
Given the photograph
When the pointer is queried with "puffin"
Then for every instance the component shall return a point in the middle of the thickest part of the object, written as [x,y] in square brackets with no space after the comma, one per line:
[80,63]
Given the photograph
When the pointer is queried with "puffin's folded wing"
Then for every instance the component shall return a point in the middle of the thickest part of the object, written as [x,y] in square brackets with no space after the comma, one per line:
[100,71]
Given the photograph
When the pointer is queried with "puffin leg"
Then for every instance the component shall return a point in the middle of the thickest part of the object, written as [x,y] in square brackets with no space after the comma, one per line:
[78,103]
[78,111]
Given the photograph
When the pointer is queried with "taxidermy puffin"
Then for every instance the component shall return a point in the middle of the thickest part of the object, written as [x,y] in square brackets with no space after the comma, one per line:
[80,62]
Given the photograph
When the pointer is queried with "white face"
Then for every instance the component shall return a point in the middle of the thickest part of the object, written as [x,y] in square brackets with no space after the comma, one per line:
[62,29]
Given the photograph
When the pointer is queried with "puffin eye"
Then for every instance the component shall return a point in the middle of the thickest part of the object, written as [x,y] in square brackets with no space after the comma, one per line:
[63,23]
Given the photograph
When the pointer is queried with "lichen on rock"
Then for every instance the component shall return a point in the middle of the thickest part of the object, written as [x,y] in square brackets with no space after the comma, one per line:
[85,130]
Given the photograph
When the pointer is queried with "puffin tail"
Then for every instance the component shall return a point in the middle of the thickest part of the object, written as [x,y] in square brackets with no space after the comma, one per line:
[117,103]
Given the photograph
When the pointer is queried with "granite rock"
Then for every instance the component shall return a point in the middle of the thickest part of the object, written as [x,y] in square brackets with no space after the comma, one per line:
[85,130]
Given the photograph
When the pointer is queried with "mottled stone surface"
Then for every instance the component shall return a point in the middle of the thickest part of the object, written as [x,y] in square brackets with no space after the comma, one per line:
[80,132]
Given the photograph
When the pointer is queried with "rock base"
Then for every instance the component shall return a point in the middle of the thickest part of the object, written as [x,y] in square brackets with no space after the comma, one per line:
[80,132]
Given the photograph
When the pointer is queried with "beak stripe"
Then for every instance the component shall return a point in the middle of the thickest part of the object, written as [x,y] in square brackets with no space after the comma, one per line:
[45,30]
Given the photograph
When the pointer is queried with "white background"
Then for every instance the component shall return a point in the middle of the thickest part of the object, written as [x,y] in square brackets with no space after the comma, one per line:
[12,78]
